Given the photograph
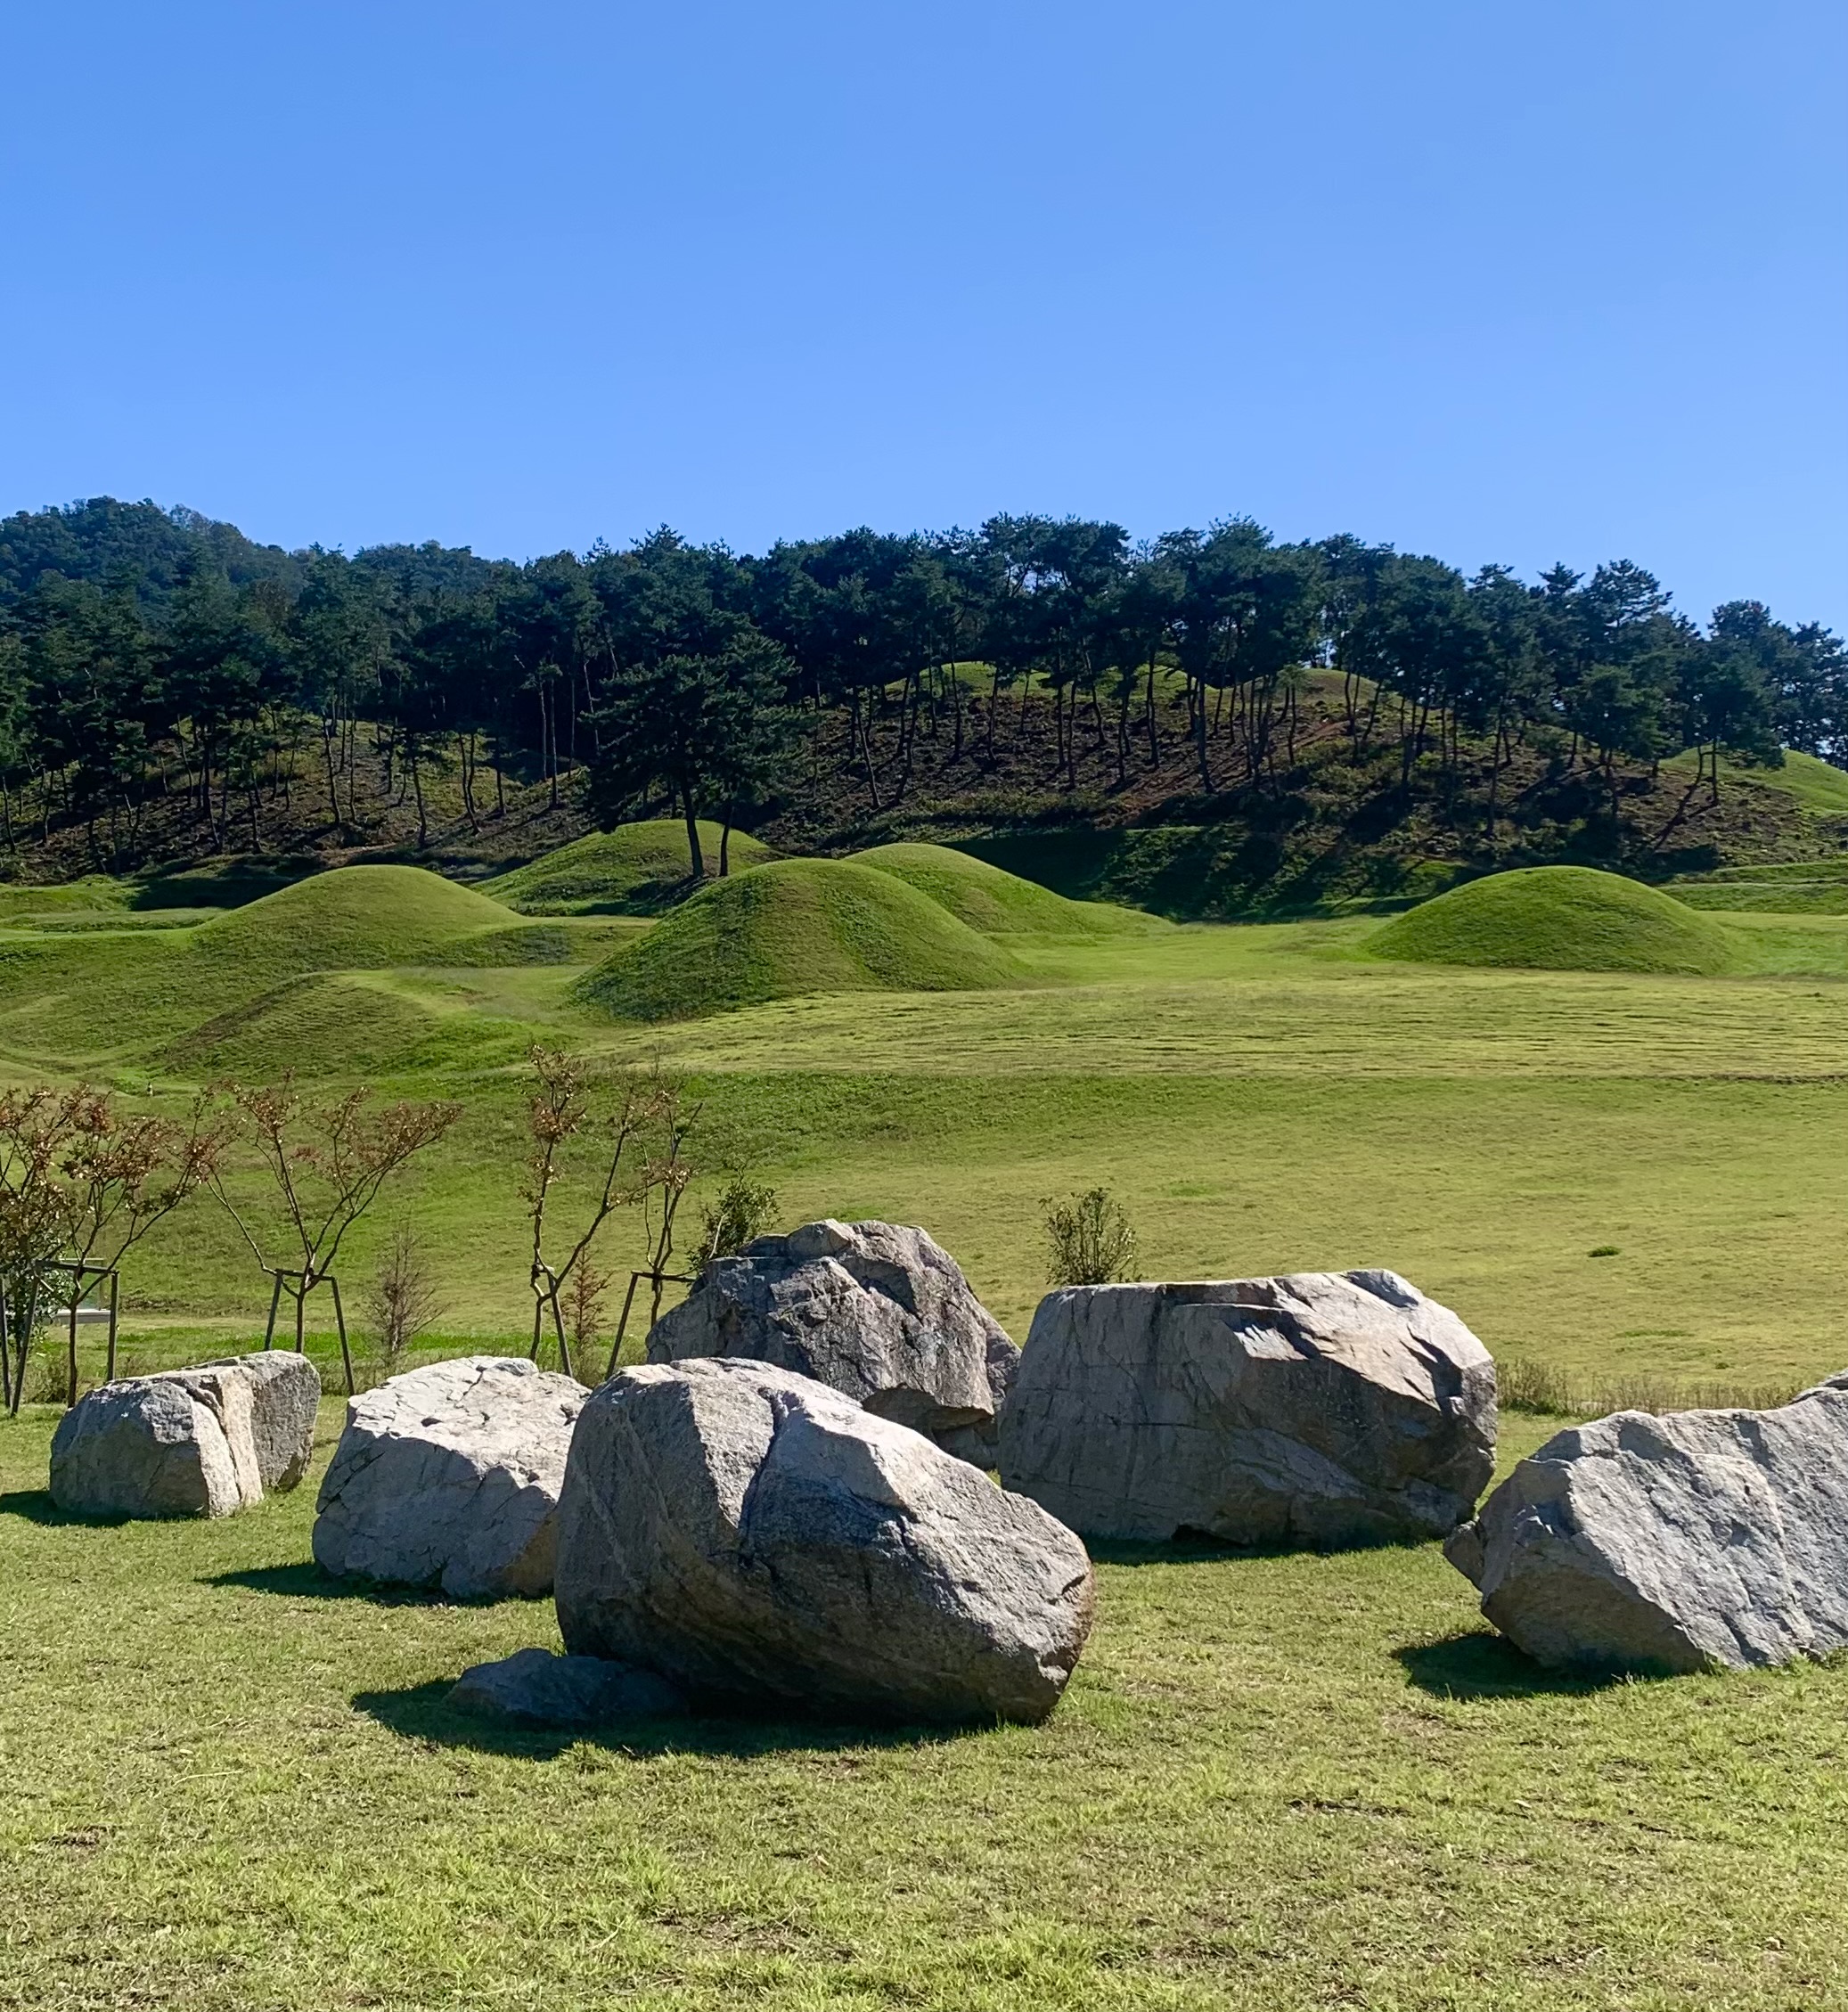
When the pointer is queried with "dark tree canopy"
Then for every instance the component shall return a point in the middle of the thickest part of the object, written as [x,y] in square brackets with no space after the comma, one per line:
[138,645]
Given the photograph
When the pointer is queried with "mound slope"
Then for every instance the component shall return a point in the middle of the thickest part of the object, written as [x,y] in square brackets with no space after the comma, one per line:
[1559,919]
[989,898]
[795,925]
[354,918]
[635,870]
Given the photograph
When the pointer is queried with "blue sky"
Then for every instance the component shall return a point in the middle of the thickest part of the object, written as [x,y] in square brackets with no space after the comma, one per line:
[1497,280]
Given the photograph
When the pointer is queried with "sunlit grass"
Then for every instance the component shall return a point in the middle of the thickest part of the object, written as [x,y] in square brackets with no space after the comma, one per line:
[1277,1782]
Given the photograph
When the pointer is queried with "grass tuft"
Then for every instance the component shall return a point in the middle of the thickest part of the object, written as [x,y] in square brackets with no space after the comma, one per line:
[1524,1385]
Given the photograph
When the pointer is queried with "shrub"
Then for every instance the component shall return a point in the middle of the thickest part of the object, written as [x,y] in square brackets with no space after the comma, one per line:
[403,1298]
[1090,1240]
[744,1212]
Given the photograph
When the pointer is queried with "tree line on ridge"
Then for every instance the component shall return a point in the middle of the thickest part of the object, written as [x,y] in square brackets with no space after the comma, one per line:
[144,651]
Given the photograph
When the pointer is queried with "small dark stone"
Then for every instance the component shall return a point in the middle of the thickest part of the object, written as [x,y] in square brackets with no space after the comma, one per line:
[534,1687]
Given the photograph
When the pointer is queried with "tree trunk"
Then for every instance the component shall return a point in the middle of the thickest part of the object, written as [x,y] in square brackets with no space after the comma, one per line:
[333,794]
[694,854]
[725,844]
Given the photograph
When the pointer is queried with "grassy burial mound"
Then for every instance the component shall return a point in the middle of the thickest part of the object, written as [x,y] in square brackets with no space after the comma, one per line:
[635,870]
[327,1024]
[354,918]
[992,900]
[1559,919]
[795,925]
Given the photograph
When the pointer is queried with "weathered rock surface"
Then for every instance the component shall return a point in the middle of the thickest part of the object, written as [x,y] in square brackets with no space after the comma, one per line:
[285,1389]
[766,1544]
[449,1475]
[878,1311]
[535,1688]
[1695,1541]
[1321,1408]
[197,1442]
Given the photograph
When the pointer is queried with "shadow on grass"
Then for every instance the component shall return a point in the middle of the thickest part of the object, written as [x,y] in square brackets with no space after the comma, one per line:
[1480,1664]
[307,1581]
[1191,1546]
[423,1712]
[36,1505]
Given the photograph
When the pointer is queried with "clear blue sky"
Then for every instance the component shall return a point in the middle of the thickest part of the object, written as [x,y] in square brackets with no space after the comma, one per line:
[1498,281]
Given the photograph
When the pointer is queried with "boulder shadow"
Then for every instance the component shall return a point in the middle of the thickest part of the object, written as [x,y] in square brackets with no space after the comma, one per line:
[1479,1664]
[306,1580]
[1194,1547]
[35,1505]
[423,1712]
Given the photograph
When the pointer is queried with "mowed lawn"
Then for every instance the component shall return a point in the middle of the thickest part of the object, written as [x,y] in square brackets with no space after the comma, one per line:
[1276,1781]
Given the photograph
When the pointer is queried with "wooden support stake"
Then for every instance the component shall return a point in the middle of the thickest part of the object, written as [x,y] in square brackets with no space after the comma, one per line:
[339,1314]
[558,1321]
[115,1307]
[615,1347]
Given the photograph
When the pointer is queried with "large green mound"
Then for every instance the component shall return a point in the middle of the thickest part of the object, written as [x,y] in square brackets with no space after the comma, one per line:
[342,1022]
[992,900]
[354,918]
[1559,919]
[635,870]
[796,926]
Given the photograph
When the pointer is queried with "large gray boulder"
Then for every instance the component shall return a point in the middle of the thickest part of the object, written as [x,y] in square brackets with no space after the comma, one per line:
[448,1477]
[197,1442]
[1322,1408]
[1699,1540]
[765,1544]
[878,1311]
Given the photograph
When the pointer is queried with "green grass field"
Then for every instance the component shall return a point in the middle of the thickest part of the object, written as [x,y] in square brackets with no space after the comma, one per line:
[1276,1783]
[1280,1781]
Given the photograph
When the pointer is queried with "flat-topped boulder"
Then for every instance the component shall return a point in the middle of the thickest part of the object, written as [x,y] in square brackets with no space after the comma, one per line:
[207,1441]
[769,1546]
[1694,1541]
[1322,1408]
[878,1311]
[449,1478]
